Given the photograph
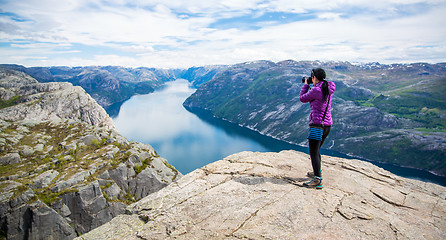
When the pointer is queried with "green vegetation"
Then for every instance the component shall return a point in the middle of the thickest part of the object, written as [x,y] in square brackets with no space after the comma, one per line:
[422,103]
[128,198]
[68,158]
[396,149]
[240,97]
[48,197]
[173,169]
[146,163]
[10,102]
[19,191]
[139,168]
[106,185]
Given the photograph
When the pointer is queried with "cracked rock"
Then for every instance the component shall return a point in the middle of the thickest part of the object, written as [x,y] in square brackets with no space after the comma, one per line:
[252,196]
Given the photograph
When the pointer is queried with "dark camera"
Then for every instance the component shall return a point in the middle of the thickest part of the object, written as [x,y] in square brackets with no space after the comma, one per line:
[310,80]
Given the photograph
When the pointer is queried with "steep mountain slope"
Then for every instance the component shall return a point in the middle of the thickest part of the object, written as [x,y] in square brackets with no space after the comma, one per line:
[388,113]
[200,75]
[257,196]
[64,169]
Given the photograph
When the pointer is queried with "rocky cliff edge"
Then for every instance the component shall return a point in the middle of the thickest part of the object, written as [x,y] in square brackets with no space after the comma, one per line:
[64,169]
[258,196]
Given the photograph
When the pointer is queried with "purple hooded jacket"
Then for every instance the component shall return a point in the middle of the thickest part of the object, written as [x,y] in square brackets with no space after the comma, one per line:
[317,104]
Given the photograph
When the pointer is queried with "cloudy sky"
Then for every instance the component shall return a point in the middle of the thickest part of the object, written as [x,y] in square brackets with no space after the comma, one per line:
[185,33]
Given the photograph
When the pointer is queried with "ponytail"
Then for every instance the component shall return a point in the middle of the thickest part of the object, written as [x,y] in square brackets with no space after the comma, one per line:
[325,90]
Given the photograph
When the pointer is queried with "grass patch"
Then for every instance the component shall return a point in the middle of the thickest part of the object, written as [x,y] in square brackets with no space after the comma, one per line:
[8,170]
[96,143]
[128,198]
[173,169]
[48,197]
[139,168]
[107,185]
[428,130]
[10,102]
[19,191]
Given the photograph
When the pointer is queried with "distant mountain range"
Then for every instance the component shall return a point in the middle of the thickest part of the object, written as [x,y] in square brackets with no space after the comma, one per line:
[388,113]
[107,85]
[110,86]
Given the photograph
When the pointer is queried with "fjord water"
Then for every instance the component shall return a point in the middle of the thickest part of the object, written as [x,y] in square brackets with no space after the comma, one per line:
[192,140]
[185,140]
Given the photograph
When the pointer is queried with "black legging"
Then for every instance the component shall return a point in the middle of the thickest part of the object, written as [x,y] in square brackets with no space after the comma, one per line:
[315,153]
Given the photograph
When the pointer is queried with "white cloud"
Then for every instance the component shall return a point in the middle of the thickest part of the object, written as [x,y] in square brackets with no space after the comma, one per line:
[40,45]
[173,33]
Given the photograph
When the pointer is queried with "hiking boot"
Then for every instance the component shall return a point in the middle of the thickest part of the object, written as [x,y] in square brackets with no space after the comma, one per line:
[315,183]
[311,174]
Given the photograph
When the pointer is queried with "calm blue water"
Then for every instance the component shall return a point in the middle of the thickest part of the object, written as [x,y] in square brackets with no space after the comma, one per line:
[192,140]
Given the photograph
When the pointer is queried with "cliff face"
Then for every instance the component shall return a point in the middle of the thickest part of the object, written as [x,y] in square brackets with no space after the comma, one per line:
[258,196]
[64,169]
[200,75]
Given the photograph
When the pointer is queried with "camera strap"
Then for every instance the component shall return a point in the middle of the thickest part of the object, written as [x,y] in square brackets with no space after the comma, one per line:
[325,113]
[326,108]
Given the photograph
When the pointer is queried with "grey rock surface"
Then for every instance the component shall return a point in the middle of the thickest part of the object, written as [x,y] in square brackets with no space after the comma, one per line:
[10,158]
[46,101]
[44,179]
[259,196]
[47,223]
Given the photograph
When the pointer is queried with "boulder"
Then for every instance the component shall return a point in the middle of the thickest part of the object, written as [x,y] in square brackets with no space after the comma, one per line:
[145,183]
[75,179]
[6,94]
[89,140]
[91,197]
[15,214]
[44,179]
[39,147]
[89,209]
[134,161]
[10,159]
[113,192]
[27,151]
[149,180]
[48,224]
[121,175]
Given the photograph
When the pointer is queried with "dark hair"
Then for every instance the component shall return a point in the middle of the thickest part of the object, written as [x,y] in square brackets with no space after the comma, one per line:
[319,73]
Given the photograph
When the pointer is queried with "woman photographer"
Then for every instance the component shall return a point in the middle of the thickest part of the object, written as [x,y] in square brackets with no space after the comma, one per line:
[320,120]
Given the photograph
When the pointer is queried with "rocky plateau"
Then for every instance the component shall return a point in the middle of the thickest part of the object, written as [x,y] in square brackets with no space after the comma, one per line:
[253,195]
